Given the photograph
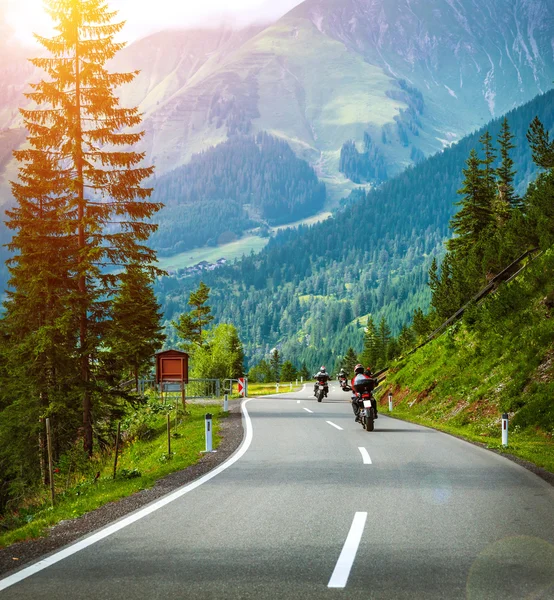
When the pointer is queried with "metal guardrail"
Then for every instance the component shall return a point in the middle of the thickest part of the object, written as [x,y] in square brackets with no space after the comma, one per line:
[194,389]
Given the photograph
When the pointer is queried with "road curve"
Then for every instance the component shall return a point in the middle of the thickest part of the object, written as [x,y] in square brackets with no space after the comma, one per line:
[315,507]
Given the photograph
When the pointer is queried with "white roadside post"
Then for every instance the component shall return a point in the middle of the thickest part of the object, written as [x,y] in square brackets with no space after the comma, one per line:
[226,403]
[291,386]
[208,434]
[505,429]
[302,379]
[297,383]
[390,401]
[276,388]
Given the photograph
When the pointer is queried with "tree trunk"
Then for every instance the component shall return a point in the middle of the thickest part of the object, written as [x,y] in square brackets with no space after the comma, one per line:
[83,318]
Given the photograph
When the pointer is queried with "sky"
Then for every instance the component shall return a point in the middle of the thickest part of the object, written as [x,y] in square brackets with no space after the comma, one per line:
[145,16]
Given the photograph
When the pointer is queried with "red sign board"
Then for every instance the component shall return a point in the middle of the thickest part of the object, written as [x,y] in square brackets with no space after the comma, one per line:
[242,387]
[172,366]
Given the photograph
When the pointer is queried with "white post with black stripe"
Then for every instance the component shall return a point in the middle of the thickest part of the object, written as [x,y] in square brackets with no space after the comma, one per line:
[226,403]
[390,401]
[505,429]
[209,440]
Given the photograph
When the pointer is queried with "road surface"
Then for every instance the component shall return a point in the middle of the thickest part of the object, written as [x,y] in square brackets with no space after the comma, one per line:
[314,507]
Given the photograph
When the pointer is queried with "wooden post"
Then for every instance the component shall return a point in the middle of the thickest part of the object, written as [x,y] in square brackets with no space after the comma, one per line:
[42,452]
[50,465]
[116,449]
[183,397]
[168,435]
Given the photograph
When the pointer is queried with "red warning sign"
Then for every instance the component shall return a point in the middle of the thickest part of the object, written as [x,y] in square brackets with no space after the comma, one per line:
[242,387]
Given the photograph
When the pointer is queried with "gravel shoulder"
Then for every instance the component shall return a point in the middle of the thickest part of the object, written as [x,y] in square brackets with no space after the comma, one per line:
[17,555]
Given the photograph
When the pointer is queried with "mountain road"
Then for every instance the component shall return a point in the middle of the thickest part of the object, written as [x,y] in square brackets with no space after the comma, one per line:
[312,507]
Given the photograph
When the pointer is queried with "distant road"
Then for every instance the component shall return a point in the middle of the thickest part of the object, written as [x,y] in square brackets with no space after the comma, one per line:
[315,508]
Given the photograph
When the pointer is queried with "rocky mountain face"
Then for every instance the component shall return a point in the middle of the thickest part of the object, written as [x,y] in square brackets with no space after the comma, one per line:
[413,75]
[360,89]
[476,59]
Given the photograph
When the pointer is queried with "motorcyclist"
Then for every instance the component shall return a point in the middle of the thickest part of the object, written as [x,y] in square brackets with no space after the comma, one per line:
[321,377]
[343,378]
[361,382]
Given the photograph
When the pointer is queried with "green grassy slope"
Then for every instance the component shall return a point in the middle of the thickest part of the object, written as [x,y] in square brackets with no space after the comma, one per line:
[500,358]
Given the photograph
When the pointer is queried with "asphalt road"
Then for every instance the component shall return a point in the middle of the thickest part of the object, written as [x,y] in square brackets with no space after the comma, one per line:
[317,508]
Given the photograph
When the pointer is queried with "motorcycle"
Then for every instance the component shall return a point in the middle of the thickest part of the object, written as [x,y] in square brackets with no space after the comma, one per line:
[367,402]
[343,382]
[321,391]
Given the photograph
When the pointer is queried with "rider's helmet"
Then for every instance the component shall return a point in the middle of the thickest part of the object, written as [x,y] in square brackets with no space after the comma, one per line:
[368,370]
[322,369]
[358,369]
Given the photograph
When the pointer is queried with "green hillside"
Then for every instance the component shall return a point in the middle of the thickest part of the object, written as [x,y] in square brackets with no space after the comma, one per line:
[500,358]
[371,258]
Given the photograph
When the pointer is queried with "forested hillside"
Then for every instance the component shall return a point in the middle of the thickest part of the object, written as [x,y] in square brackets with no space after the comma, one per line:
[308,285]
[243,183]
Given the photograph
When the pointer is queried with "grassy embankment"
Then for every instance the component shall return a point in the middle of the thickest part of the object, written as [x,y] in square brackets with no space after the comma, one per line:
[142,461]
[499,358]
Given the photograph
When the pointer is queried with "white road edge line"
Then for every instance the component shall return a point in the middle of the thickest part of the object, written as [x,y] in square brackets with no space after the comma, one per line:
[365,456]
[335,426]
[134,517]
[308,410]
[347,556]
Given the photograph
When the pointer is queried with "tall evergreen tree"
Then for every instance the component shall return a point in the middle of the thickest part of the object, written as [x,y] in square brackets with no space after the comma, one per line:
[488,160]
[349,361]
[275,363]
[507,199]
[135,333]
[191,326]
[475,216]
[74,167]
[288,371]
[385,336]
[541,145]
[371,352]
[304,373]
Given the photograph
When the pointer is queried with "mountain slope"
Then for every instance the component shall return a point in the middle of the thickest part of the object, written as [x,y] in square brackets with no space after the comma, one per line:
[307,290]
[476,58]
[411,73]
[495,361]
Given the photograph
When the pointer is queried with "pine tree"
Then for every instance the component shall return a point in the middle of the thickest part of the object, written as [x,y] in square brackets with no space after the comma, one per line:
[541,146]
[288,371]
[73,162]
[275,363]
[421,323]
[385,335]
[135,332]
[372,351]
[489,174]
[304,373]
[349,361]
[507,199]
[475,216]
[191,326]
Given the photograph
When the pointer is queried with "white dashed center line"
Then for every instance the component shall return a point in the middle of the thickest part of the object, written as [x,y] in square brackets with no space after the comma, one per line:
[348,554]
[335,426]
[365,456]
[308,410]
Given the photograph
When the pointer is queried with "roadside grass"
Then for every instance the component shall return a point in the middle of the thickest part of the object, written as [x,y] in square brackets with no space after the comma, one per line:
[142,461]
[267,389]
[535,448]
[498,359]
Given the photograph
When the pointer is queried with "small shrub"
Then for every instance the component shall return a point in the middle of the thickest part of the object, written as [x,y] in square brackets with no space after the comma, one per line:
[129,474]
